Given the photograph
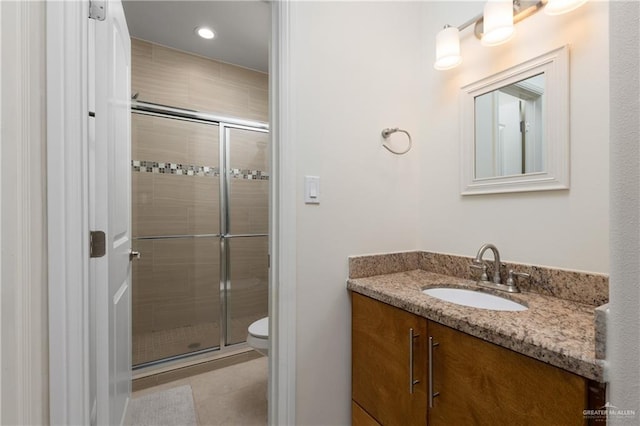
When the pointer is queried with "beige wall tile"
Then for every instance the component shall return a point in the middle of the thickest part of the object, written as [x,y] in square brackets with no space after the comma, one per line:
[249,150]
[177,278]
[219,97]
[167,140]
[249,206]
[182,205]
[204,145]
[180,79]
[176,284]
[160,218]
[185,62]
[141,50]
[245,76]
[160,84]
[159,139]
[196,191]
[186,251]
[248,296]
[203,220]
[259,104]
[141,195]
[206,279]
[249,258]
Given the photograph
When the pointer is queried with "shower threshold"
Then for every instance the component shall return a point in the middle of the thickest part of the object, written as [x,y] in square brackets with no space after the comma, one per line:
[190,365]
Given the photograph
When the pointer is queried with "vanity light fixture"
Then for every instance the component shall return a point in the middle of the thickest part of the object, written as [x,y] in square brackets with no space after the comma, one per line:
[448,48]
[205,32]
[498,22]
[495,26]
[558,7]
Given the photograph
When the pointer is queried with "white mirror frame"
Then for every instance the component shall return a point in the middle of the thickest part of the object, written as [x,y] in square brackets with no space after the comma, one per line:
[555,66]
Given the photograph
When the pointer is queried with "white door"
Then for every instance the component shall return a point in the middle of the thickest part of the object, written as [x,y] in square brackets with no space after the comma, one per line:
[110,200]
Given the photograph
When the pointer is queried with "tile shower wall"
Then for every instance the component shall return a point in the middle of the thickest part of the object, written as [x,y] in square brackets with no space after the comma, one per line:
[171,77]
[170,204]
[175,190]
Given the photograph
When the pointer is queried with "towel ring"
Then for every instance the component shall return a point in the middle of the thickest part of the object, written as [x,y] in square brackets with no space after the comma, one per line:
[387,132]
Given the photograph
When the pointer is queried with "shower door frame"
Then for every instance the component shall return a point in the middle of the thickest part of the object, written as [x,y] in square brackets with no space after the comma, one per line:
[224,124]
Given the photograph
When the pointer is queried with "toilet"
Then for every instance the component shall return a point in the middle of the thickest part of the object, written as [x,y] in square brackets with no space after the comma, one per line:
[258,336]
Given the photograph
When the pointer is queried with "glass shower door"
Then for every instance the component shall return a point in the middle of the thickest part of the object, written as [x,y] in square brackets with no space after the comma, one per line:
[247,225]
[176,228]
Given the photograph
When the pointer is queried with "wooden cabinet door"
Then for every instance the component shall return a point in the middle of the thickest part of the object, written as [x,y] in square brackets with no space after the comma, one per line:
[359,417]
[382,349]
[480,383]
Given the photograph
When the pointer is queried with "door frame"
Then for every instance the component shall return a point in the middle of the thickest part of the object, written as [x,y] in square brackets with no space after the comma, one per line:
[282,217]
[23,255]
[68,202]
[68,220]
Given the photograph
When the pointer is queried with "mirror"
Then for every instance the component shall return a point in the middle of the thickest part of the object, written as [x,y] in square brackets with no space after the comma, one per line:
[515,128]
[508,130]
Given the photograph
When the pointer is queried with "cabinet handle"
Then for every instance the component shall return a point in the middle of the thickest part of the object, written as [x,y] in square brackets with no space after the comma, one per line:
[412,382]
[432,394]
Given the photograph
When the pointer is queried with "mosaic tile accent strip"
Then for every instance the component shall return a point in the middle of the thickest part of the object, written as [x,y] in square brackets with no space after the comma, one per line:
[192,170]
[249,174]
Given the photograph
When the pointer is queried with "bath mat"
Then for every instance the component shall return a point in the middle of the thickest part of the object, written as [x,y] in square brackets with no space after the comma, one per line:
[171,407]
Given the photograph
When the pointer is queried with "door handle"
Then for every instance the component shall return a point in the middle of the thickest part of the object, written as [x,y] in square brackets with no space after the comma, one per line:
[432,394]
[412,381]
[134,255]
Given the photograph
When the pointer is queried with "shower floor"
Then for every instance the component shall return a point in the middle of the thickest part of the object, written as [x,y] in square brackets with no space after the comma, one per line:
[157,345]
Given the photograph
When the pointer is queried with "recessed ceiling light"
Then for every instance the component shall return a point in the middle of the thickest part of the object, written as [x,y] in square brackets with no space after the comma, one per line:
[205,32]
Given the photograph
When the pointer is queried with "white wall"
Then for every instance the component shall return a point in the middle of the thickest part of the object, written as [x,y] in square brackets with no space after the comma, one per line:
[364,66]
[623,341]
[567,229]
[358,71]
[23,279]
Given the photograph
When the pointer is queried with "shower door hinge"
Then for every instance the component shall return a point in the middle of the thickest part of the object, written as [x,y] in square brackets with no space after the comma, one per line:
[97,244]
[97,9]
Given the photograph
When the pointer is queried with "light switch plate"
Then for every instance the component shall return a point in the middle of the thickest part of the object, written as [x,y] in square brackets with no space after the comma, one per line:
[312,190]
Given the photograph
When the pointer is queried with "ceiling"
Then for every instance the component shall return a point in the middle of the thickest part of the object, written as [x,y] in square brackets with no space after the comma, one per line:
[242,28]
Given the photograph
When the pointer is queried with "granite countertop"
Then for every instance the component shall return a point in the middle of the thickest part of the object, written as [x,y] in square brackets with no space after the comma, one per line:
[557,331]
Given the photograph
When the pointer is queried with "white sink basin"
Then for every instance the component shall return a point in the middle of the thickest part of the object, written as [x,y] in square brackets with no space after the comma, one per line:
[475,299]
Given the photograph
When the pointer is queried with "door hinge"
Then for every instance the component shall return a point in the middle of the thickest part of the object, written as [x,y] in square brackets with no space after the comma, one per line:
[97,9]
[97,244]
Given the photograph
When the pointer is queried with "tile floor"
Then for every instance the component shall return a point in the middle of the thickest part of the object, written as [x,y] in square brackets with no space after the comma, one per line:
[152,346]
[235,395]
[165,343]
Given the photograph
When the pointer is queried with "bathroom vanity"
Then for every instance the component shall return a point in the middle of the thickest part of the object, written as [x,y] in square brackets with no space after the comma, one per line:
[417,359]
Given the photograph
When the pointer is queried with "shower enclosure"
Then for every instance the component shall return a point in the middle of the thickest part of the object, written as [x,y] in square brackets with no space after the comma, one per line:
[200,221]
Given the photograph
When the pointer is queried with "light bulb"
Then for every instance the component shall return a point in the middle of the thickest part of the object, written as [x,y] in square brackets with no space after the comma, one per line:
[205,32]
[498,22]
[558,7]
[448,49]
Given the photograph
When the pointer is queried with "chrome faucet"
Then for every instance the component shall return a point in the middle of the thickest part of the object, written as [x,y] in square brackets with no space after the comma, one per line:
[496,260]
[510,286]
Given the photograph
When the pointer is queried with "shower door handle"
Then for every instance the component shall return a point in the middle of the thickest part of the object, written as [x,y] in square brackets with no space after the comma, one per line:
[134,255]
